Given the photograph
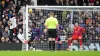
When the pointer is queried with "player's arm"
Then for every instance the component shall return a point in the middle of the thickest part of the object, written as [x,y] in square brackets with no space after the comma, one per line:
[57,25]
[46,26]
[64,31]
[84,31]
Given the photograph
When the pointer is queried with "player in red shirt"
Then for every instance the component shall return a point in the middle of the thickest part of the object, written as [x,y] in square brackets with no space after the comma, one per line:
[77,35]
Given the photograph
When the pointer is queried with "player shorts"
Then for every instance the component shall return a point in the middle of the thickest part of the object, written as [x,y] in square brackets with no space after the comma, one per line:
[74,37]
[58,39]
[52,33]
[34,38]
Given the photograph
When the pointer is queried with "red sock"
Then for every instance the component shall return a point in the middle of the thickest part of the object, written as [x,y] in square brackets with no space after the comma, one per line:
[69,42]
[80,41]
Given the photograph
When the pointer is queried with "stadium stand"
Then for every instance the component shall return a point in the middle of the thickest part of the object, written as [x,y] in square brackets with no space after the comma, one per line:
[11,19]
[69,2]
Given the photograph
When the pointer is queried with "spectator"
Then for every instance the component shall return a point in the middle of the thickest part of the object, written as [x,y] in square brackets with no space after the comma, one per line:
[62,2]
[81,23]
[7,40]
[91,1]
[0,29]
[10,14]
[67,2]
[11,3]
[70,2]
[15,40]
[2,40]
[98,29]
[5,33]
[91,33]
[80,2]
[57,2]
[84,4]
[88,21]
[97,3]
[11,20]
[4,22]
[76,2]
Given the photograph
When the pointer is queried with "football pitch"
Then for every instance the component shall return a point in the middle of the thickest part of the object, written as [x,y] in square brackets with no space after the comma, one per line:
[48,53]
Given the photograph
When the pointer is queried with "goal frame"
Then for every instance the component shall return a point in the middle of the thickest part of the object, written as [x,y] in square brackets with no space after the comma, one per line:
[74,8]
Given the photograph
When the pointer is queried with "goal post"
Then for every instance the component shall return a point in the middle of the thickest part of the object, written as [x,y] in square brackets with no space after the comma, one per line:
[69,10]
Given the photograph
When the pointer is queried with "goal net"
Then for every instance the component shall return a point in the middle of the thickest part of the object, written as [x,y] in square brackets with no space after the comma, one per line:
[88,17]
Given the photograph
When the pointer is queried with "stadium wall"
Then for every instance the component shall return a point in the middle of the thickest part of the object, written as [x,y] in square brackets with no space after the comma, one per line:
[10,46]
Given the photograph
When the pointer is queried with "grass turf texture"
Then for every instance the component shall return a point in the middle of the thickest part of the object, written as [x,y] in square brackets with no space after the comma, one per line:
[48,53]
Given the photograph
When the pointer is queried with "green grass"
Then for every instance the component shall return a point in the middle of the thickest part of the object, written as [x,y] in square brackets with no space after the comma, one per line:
[48,53]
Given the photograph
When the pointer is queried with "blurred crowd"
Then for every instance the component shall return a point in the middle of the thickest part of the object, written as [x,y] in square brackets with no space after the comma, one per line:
[90,20]
[70,2]
[11,20]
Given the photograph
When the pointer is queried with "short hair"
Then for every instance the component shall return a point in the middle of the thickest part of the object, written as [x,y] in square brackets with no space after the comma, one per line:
[76,22]
[51,13]
[34,23]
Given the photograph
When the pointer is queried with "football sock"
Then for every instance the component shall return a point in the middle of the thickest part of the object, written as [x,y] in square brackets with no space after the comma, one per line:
[69,43]
[80,41]
[53,44]
[59,46]
[50,43]
[29,44]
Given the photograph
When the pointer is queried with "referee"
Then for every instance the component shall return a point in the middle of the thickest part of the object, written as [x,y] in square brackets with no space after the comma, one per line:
[51,27]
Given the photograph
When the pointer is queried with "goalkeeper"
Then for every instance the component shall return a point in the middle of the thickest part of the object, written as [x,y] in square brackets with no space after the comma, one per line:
[77,35]
[51,26]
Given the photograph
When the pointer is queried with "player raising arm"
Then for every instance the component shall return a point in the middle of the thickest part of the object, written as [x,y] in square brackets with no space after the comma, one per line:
[77,35]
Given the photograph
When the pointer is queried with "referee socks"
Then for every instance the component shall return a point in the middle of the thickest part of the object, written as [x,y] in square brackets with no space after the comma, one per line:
[50,43]
[53,45]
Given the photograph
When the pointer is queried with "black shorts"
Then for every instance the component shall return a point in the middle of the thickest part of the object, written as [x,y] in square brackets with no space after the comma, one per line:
[52,33]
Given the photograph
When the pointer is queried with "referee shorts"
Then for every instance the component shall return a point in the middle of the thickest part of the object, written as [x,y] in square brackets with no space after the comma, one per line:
[52,33]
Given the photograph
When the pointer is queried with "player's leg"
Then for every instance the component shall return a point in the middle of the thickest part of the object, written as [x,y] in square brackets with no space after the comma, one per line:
[59,42]
[69,43]
[22,39]
[50,39]
[11,35]
[80,42]
[53,44]
[54,35]
[31,46]
[50,43]
[59,45]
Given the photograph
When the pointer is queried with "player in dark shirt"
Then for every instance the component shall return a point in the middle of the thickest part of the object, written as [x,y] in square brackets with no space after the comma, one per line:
[34,36]
[61,33]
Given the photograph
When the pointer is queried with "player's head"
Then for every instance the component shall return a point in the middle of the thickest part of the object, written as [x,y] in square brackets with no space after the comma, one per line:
[51,13]
[76,24]
[34,24]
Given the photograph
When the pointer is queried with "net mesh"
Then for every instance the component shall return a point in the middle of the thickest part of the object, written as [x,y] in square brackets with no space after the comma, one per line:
[88,18]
